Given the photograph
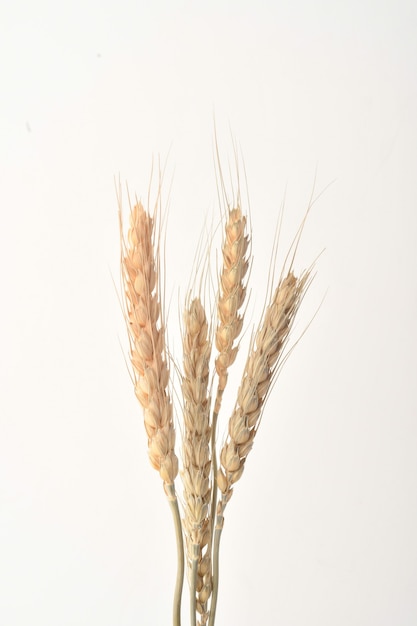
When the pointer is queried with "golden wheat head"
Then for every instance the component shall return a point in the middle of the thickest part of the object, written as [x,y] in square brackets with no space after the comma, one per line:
[147,342]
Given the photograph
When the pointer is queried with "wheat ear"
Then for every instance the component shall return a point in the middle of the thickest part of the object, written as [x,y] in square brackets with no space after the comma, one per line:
[259,374]
[148,357]
[230,300]
[231,297]
[196,456]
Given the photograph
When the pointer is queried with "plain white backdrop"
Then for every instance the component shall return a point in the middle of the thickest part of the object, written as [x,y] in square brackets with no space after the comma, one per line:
[321,531]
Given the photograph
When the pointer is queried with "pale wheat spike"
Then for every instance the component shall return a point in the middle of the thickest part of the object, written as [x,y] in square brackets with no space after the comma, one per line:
[231,296]
[230,299]
[147,342]
[259,374]
[261,366]
[196,455]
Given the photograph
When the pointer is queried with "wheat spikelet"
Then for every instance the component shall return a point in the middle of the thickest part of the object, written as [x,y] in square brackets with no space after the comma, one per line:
[196,454]
[147,343]
[231,296]
[258,376]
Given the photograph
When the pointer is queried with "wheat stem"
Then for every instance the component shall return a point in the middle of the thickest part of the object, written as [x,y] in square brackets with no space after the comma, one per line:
[214,468]
[193,585]
[216,550]
[173,503]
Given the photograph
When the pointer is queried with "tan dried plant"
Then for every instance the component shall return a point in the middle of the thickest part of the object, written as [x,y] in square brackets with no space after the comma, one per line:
[207,488]
[259,374]
[231,296]
[147,336]
[197,455]
[139,269]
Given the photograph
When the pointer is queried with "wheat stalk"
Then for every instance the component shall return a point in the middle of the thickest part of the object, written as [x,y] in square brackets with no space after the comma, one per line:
[196,456]
[148,357]
[259,375]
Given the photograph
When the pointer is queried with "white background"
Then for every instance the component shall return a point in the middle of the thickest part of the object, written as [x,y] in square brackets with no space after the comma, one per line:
[322,528]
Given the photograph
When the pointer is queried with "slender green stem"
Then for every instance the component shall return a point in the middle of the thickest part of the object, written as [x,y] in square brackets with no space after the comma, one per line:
[214,471]
[173,503]
[193,585]
[216,547]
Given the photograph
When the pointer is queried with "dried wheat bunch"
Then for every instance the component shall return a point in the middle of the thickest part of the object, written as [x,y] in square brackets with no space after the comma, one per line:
[203,511]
